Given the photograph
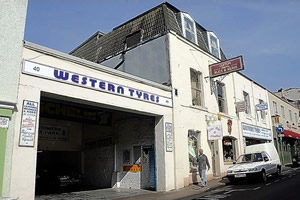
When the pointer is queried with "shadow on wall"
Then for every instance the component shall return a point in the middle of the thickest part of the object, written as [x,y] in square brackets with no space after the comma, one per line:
[141,174]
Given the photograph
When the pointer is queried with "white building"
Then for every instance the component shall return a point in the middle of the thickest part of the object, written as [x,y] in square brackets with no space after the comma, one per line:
[256,124]
[138,121]
[169,47]
[108,125]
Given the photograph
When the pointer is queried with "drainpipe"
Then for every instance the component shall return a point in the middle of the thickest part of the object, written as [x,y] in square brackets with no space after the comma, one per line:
[122,61]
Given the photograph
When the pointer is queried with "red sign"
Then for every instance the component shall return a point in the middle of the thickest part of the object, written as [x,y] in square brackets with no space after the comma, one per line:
[226,67]
[132,168]
[229,125]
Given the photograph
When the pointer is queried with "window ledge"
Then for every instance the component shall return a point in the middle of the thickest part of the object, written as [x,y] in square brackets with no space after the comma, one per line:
[196,107]
[248,116]
[225,115]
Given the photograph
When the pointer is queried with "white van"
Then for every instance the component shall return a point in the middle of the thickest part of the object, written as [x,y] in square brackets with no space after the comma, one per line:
[260,160]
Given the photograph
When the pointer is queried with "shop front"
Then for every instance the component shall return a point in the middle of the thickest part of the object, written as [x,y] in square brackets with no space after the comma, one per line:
[255,135]
[288,144]
[84,127]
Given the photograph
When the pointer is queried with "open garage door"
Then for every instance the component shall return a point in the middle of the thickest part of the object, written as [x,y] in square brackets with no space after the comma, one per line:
[82,146]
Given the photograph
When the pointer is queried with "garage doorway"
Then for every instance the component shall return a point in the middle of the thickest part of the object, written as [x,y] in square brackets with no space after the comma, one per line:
[84,146]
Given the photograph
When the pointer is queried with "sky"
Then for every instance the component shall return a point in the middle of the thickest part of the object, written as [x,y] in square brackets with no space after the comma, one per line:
[265,32]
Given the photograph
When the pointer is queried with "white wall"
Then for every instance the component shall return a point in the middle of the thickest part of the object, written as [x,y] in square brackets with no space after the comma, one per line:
[134,132]
[183,56]
[12,23]
[256,92]
[23,173]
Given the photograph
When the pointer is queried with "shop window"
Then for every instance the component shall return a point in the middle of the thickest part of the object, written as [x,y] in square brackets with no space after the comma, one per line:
[221,97]
[213,43]
[196,87]
[189,28]
[282,111]
[193,148]
[247,102]
[275,107]
[228,149]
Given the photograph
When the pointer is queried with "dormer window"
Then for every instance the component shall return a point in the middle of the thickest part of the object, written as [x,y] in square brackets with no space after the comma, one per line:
[189,28]
[213,43]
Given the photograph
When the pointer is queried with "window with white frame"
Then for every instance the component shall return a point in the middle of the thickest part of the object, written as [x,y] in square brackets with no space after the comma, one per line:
[290,113]
[282,111]
[214,44]
[262,112]
[189,28]
[221,97]
[275,107]
[296,117]
[247,102]
[196,88]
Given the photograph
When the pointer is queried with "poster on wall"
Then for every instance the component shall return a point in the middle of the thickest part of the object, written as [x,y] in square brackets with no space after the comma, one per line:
[28,123]
[54,133]
[215,132]
[169,137]
[4,122]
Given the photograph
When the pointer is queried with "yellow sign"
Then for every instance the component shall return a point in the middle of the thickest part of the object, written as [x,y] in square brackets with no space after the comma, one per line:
[132,168]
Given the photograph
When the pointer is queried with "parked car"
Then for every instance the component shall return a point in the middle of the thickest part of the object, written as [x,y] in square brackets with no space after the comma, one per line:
[51,180]
[296,159]
[259,161]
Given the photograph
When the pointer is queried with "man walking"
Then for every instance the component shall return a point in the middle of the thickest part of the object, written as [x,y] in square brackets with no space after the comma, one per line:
[202,162]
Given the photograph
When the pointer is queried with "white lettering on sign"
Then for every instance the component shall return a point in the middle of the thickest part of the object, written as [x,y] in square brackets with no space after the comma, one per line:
[28,123]
[73,78]
[4,122]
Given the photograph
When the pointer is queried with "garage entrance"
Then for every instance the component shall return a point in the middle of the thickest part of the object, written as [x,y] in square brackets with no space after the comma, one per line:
[84,146]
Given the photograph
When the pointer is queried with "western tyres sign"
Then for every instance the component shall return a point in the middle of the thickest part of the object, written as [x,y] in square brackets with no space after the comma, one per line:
[68,77]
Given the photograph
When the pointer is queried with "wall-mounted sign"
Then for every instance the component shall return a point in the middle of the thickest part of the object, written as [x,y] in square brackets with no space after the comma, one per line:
[28,123]
[169,137]
[260,107]
[4,122]
[74,78]
[132,168]
[215,132]
[226,67]
[240,106]
[256,132]
[55,133]
[74,112]
[229,126]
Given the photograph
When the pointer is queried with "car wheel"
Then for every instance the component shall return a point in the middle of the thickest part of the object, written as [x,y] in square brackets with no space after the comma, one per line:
[232,180]
[263,176]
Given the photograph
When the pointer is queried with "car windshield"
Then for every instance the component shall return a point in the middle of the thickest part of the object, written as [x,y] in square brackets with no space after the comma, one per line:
[251,157]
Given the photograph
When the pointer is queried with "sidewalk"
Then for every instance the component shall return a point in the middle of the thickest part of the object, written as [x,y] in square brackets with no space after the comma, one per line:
[190,190]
